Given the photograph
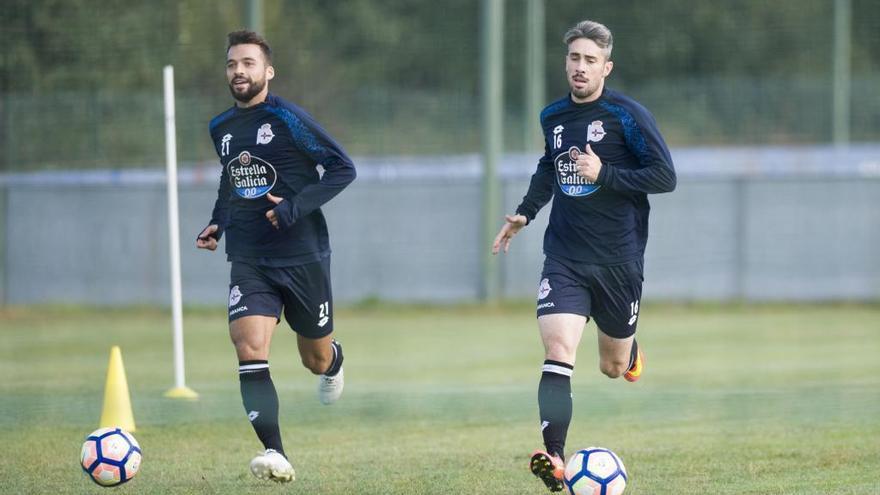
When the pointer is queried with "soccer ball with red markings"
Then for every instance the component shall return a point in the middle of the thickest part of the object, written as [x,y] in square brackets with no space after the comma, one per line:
[595,471]
[110,456]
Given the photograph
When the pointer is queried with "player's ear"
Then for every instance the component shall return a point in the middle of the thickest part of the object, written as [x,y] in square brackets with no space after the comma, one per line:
[608,66]
[270,72]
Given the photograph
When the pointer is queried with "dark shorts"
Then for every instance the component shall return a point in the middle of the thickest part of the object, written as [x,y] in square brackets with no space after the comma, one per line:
[608,293]
[302,291]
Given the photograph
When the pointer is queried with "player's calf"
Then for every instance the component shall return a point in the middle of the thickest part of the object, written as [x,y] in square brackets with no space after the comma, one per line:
[630,369]
[612,369]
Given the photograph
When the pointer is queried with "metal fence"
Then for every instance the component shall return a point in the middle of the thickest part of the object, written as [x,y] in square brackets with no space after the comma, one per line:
[793,223]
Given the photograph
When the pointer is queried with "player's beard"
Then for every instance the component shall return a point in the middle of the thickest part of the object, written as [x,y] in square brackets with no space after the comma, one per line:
[253,89]
[586,91]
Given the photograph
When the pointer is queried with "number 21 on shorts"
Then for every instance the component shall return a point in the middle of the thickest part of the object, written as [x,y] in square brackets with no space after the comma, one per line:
[323,313]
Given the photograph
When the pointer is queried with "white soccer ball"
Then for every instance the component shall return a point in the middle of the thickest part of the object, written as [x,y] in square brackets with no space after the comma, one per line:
[110,456]
[595,471]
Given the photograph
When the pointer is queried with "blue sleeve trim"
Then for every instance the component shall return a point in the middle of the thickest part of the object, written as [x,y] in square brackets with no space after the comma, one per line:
[300,132]
[632,133]
[554,107]
[220,119]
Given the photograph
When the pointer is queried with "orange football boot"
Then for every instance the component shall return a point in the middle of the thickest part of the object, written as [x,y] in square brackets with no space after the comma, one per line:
[548,468]
[635,371]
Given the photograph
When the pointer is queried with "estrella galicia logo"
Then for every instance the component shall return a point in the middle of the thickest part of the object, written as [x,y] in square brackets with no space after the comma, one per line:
[569,181]
[250,176]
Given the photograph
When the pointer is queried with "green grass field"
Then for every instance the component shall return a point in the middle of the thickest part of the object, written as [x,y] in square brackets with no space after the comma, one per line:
[735,400]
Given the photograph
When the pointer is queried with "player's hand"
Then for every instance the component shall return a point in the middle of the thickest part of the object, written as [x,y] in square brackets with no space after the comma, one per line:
[512,225]
[271,215]
[206,240]
[589,165]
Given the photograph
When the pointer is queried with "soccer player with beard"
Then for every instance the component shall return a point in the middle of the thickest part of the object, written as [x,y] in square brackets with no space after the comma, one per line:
[278,167]
[603,156]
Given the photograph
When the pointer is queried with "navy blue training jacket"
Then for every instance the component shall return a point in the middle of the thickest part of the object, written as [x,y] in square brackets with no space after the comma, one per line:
[275,147]
[605,222]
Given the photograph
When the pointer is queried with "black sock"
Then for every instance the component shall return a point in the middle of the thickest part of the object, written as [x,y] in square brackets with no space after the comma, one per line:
[633,354]
[336,364]
[260,402]
[554,405]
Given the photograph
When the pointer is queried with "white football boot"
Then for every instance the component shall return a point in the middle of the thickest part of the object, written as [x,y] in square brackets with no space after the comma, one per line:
[271,465]
[330,387]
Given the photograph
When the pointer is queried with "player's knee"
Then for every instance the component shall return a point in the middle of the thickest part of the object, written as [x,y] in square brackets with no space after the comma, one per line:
[612,368]
[559,352]
[247,350]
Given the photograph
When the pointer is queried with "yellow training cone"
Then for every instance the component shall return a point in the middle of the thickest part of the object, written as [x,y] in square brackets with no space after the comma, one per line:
[117,402]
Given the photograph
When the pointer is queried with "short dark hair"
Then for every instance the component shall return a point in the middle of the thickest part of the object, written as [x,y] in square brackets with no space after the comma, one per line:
[245,37]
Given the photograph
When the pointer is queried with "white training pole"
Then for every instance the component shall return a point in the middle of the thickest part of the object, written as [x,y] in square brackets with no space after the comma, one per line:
[180,389]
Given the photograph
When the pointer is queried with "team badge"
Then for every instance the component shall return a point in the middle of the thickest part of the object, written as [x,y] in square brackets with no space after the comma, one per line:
[250,176]
[595,132]
[544,289]
[234,296]
[265,134]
